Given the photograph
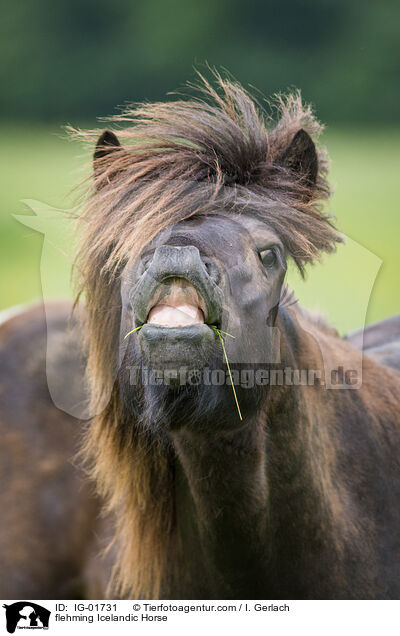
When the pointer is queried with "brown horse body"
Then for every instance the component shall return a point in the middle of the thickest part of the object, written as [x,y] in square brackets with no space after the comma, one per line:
[332,488]
[47,515]
[186,236]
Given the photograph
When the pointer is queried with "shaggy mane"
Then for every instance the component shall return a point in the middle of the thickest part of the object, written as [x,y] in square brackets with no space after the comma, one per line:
[217,151]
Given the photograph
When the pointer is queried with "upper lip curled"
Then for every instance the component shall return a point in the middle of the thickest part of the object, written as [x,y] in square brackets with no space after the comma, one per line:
[175,292]
[171,264]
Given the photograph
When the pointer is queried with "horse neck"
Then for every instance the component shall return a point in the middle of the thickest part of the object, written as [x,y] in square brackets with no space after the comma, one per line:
[239,493]
[221,507]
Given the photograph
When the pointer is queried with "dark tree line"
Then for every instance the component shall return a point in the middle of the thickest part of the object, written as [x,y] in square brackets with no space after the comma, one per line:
[79,58]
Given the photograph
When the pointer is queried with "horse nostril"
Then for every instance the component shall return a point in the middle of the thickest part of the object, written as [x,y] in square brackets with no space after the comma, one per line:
[146,260]
[212,269]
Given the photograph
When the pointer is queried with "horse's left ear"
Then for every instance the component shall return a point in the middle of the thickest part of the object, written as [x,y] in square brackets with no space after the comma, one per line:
[301,157]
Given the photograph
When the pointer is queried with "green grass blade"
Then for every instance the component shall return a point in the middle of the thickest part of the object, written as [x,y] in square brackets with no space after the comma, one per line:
[133,330]
[229,368]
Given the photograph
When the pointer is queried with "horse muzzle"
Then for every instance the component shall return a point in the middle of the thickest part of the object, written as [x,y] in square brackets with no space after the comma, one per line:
[176,302]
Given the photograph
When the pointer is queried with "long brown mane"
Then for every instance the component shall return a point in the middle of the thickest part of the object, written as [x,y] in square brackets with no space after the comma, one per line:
[217,151]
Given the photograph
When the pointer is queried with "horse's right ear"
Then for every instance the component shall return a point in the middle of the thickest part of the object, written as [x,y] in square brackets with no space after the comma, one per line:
[106,143]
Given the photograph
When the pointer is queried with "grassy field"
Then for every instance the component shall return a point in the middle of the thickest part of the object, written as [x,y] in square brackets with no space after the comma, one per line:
[358,284]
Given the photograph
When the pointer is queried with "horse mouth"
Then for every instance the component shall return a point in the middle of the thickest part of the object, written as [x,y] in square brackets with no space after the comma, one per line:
[175,334]
[176,304]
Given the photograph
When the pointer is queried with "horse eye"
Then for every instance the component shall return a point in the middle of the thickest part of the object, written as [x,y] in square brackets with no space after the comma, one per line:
[268,258]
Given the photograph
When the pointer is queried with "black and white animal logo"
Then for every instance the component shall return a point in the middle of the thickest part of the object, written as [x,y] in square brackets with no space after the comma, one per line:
[26,615]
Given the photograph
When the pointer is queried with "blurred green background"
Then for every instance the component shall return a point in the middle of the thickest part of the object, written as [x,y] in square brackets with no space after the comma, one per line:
[68,62]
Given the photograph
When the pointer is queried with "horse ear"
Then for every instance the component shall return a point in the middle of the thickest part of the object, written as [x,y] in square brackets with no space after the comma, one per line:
[301,157]
[106,143]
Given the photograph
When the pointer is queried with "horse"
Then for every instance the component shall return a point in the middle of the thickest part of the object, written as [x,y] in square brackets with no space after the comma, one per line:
[227,463]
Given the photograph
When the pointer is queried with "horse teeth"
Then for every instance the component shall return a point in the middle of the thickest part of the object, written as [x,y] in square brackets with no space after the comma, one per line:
[175,316]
